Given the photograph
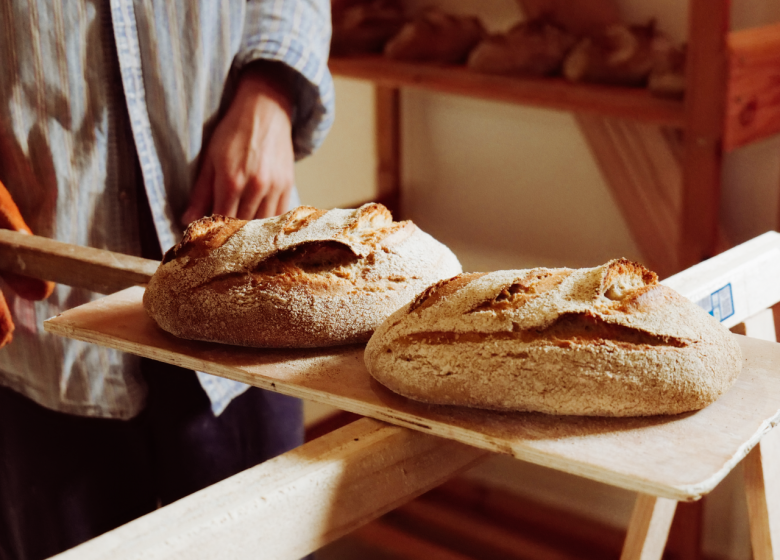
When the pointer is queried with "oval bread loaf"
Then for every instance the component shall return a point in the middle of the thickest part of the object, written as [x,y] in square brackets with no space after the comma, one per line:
[604,341]
[304,279]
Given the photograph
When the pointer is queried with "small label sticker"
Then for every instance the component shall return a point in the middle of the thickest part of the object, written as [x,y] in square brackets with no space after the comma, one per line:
[719,304]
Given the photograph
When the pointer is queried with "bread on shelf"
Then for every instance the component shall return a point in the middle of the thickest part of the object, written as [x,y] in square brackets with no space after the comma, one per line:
[434,36]
[535,48]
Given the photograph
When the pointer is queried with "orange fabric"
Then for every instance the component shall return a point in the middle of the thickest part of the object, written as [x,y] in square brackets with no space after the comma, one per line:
[28,288]
[6,323]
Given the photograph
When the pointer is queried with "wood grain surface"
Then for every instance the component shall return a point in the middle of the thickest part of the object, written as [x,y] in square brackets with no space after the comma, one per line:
[753,104]
[97,270]
[553,93]
[705,109]
[294,504]
[679,457]
[640,163]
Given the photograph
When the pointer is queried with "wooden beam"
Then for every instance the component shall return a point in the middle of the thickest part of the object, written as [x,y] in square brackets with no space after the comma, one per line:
[640,165]
[553,93]
[388,147]
[705,101]
[753,99]
[762,489]
[294,504]
[97,270]
[648,528]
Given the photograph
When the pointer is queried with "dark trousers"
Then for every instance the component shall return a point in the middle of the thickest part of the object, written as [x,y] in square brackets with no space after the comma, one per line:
[65,479]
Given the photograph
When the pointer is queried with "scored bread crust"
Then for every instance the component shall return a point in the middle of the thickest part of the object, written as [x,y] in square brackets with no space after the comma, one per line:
[307,278]
[604,341]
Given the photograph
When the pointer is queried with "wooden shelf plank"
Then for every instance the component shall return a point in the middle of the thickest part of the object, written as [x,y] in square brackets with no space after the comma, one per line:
[753,102]
[553,93]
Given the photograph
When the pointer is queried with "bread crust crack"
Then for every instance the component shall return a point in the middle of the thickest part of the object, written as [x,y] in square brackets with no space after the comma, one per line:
[308,278]
[608,341]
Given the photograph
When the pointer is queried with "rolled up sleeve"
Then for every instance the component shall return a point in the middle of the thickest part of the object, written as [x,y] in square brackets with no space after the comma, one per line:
[296,33]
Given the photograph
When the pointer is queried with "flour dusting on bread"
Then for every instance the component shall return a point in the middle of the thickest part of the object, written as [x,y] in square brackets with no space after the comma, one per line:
[608,340]
[307,278]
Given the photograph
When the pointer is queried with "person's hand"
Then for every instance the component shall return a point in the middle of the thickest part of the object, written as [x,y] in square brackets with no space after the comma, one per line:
[247,170]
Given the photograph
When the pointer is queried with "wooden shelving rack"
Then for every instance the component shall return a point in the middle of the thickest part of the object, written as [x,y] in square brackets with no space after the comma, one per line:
[662,159]
[551,93]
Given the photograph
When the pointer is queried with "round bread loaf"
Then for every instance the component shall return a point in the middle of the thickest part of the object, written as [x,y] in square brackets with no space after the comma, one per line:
[604,341]
[307,278]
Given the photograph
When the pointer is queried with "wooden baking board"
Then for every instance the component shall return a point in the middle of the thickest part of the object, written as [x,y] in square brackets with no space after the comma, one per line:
[680,457]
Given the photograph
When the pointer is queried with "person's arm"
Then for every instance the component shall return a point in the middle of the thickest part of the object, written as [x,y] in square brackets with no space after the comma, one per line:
[281,112]
[247,170]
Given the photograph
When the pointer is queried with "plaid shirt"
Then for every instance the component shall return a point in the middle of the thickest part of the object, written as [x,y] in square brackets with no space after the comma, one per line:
[88,86]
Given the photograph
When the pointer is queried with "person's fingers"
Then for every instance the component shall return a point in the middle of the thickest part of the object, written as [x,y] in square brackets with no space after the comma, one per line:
[202,196]
[268,206]
[227,194]
[251,199]
[284,202]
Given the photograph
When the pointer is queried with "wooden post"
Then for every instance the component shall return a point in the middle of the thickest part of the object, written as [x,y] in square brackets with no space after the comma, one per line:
[388,147]
[762,465]
[762,488]
[705,103]
[648,528]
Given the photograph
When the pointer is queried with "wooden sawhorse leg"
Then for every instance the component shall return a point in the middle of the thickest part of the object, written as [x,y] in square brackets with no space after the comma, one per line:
[648,528]
[762,487]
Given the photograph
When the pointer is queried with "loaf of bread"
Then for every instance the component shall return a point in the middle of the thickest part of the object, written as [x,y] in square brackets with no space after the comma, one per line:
[364,27]
[604,341]
[434,36]
[307,278]
[534,48]
[620,55]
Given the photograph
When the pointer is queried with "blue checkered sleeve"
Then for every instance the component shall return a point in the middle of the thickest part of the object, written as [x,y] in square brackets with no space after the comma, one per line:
[297,33]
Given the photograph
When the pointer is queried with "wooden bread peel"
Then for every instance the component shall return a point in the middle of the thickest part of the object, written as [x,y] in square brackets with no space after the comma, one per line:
[606,450]
[97,270]
[337,376]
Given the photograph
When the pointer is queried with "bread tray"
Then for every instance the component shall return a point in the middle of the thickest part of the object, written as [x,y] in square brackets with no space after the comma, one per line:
[680,457]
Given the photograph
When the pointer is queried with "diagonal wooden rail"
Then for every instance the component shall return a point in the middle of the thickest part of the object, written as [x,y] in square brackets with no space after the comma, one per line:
[290,506]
